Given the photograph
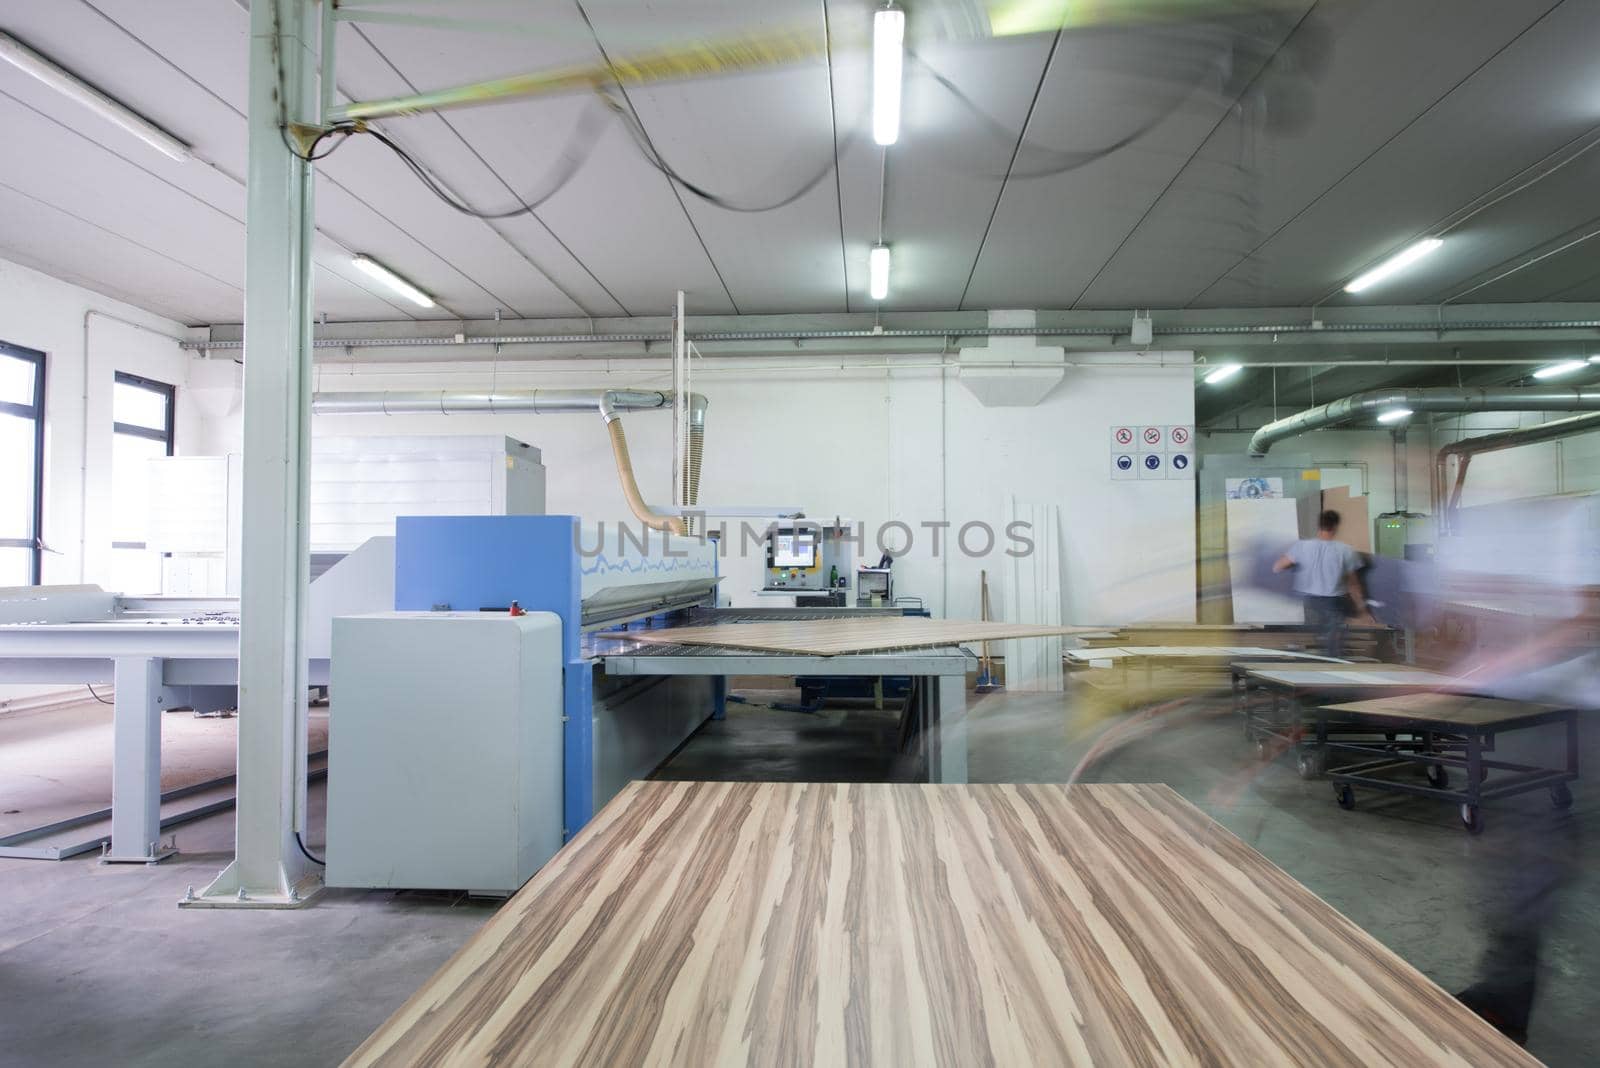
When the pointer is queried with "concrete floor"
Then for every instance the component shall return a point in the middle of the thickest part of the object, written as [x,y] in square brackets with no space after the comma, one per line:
[98,965]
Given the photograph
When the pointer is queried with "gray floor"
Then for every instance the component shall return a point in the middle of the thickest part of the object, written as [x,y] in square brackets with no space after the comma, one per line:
[98,965]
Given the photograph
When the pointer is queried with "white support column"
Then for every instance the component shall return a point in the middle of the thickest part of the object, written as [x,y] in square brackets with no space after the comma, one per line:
[268,868]
[136,764]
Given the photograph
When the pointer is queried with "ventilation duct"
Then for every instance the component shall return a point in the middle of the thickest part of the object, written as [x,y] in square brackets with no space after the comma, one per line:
[1447,498]
[1424,400]
[608,403]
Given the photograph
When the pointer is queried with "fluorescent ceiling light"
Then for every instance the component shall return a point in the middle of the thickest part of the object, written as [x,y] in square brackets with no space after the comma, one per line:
[75,88]
[1395,415]
[888,46]
[1394,264]
[1222,374]
[878,264]
[377,270]
[1565,367]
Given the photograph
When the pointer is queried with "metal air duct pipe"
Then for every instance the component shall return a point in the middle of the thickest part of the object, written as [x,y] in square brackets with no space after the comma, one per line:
[1447,499]
[609,403]
[1531,399]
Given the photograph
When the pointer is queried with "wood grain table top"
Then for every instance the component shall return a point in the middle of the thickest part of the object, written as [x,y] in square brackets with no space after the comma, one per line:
[835,637]
[1192,652]
[1451,709]
[910,924]
[1354,676]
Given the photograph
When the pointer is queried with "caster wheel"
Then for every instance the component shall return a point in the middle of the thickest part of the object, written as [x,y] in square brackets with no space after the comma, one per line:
[1561,796]
[1471,818]
[1438,777]
[1345,796]
[1310,765]
[1261,749]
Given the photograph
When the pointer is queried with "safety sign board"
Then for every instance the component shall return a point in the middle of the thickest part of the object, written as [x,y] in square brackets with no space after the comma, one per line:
[1152,452]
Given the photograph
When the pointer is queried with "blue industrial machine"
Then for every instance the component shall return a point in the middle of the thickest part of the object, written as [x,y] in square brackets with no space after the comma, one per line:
[616,729]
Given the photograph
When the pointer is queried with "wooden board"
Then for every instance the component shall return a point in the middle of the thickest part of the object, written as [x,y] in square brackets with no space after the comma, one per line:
[1188,652]
[833,637]
[1255,529]
[1447,708]
[889,924]
[1351,676]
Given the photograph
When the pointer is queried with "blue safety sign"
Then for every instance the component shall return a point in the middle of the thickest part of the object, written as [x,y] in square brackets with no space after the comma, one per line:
[1152,462]
[1180,461]
[1124,463]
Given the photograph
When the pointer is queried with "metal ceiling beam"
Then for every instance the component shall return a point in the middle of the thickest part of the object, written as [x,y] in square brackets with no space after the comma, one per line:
[1245,329]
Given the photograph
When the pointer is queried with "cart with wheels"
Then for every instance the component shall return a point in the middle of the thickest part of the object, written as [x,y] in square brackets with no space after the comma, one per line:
[1458,730]
[1277,701]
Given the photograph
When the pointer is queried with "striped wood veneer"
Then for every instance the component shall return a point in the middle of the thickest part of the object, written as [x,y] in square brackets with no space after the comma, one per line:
[774,923]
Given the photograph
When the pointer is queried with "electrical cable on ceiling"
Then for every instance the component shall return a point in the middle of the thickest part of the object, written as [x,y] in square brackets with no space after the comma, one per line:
[1066,161]
[652,156]
[96,696]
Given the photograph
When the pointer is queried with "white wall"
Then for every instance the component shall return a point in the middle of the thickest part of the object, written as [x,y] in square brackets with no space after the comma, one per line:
[907,444]
[43,313]
[46,314]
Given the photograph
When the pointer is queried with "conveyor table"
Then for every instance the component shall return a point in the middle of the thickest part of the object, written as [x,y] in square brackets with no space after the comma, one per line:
[764,923]
[1280,720]
[1473,723]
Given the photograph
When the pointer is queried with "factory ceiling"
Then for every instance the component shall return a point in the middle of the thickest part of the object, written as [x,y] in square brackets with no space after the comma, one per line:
[1254,160]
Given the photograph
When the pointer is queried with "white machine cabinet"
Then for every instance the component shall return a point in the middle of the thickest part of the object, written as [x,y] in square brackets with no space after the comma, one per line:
[444,750]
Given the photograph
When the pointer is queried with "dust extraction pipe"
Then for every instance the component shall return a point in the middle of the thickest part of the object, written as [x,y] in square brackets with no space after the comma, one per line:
[1447,499]
[1424,400]
[609,403]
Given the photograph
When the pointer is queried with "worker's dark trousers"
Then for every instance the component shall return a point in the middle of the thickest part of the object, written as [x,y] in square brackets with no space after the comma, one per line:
[1326,616]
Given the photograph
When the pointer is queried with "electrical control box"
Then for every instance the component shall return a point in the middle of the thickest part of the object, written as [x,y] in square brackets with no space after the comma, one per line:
[445,757]
[1403,535]
[806,556]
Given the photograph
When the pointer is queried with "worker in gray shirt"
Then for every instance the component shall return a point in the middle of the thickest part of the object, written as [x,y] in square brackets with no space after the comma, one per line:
[1325,577]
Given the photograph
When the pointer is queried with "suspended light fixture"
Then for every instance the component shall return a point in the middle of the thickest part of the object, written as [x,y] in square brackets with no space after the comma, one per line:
[888,58]
[878,269]
[79,91]
[374,269]
[1394,264]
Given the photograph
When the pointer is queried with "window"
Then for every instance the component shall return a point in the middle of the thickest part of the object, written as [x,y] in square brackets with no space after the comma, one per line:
[141,413]
[22,470]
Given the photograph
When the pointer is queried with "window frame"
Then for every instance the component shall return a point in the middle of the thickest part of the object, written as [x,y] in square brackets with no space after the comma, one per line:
[35,411]
[169,394]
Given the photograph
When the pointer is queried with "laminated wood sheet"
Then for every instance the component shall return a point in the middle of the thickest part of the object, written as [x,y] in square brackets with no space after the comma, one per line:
[702,923]
[1259,532]
[1448,709]
[834,637]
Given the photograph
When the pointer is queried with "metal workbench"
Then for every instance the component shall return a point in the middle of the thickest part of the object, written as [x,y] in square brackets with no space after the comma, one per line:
[1457,730]
[935,711]
[1277,703]
[154,663]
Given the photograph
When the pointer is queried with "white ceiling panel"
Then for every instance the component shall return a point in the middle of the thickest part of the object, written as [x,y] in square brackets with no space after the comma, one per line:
[754,140]
[617,215]
[43,236]
[1052,233]
[945,174]
[1379,121]
[1347,81]
[1501,120]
